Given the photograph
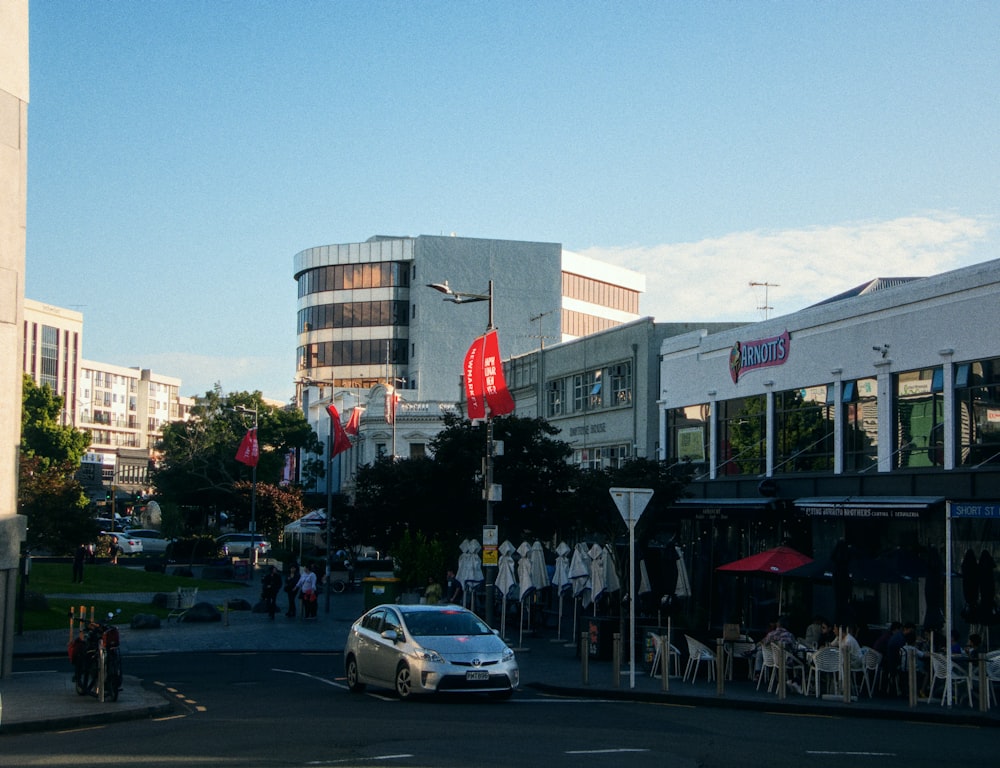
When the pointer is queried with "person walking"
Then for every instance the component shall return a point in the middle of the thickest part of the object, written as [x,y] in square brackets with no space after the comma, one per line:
[269,592]
[292,589]
[307,587]
[453,589]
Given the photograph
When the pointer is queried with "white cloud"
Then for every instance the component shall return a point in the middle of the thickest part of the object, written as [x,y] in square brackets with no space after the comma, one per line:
[710,280]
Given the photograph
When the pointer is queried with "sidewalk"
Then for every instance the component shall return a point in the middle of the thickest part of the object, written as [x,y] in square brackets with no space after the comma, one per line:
[47,700]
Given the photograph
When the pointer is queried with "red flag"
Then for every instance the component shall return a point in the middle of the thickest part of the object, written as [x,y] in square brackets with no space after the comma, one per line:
[354,423]
[498,397]
[391,401]
[472,374]
[249,451]
[341,442]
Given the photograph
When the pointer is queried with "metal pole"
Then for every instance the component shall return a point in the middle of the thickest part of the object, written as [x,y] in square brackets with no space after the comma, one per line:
[490,569]
[329,514]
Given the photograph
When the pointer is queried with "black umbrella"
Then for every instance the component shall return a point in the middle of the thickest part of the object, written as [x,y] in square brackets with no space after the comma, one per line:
[987,588]
[970,585]
[934,591]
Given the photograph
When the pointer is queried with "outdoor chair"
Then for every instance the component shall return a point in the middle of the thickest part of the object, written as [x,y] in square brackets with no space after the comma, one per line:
[794,667]
[826,661]
[939,671]
[673,660]
[741,649]
[768,666]
[872,671]
[697,653]
[184,599]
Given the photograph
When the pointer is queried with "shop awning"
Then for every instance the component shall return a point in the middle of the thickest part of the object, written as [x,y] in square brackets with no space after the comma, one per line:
[867,507]
[726,506]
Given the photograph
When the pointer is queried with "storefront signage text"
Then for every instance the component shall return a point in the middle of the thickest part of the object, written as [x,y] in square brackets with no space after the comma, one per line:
[762,353]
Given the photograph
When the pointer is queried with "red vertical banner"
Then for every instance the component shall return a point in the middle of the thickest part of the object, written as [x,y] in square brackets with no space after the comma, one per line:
[472,374]
[498,397]
[341,442]
[391,404]
[249,451]
[354,423]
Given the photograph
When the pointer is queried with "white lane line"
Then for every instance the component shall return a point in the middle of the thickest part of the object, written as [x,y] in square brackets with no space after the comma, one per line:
[359,759]
[839,753]
[323,680]
[601,751]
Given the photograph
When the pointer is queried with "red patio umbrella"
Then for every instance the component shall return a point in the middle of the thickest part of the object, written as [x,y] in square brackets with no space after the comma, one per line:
[776,562]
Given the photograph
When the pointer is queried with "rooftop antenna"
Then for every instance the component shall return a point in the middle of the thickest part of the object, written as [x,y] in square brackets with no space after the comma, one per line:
[765,285]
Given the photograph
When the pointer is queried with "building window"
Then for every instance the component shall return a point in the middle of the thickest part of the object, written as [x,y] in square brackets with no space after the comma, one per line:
[688,435]
[620,380]
[353,314]
[742,436]
[860,403]
[587,391]
[346,277]
[977,413]
[418,450]
[919,417]
[602,457]
[353,352]
[555,397]
[803,430]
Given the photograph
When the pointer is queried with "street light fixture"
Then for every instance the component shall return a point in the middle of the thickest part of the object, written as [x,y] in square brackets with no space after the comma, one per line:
[462,297]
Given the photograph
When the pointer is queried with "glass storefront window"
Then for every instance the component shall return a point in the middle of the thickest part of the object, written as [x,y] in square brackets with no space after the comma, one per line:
[742,436]
[803,421]
[977,412]
[688,434]
[919,414]
[860,403]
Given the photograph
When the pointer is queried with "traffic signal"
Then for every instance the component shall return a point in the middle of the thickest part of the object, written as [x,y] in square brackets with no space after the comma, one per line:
[137,497]
[107,495]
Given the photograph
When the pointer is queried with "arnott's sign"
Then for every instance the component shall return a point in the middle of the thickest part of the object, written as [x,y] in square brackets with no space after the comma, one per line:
[763,353]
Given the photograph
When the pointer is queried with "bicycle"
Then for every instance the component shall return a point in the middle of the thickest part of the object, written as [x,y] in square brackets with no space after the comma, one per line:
[97,661]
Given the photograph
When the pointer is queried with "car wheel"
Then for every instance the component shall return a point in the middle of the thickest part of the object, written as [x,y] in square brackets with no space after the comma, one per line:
[404,684]
[338,586]
[352,676]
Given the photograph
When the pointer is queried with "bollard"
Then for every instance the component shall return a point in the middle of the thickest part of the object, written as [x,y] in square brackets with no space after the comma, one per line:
[984,685]
[585,657]
[720,667]
[616,659]
[911,675]
[845,672]
[782,672]
[665,662]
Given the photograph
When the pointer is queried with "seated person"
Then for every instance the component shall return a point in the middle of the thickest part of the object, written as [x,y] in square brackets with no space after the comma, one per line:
[814,632]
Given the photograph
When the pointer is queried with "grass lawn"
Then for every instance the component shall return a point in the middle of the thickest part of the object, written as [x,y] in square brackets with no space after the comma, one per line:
[56,578]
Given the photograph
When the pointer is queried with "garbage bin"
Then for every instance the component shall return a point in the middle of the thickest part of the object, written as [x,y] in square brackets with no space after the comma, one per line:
[380,590]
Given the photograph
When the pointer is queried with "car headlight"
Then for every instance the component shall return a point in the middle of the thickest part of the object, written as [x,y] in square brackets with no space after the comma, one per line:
[508,655]
[428,654]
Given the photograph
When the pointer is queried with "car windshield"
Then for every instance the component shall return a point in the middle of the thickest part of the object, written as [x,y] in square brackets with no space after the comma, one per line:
[443,623]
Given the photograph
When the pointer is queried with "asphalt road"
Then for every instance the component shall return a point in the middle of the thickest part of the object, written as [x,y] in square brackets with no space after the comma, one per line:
[292,709]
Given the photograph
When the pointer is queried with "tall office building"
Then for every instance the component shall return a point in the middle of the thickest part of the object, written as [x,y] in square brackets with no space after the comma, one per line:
[366,314]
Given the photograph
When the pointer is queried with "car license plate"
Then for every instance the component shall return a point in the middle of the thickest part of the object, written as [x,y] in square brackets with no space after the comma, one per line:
[477,674]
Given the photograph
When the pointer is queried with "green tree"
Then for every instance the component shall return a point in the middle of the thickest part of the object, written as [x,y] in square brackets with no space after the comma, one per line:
[48,492]
[198,470]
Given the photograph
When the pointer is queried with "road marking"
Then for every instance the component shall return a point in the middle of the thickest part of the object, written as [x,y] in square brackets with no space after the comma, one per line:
[323,680]
[601,751]
[168,717]
[840,753]
[86,728]
[359,759]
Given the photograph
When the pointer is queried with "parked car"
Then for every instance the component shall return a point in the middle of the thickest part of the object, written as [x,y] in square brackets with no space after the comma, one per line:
[125,544]
[428,649]
[152,541]
[238,544]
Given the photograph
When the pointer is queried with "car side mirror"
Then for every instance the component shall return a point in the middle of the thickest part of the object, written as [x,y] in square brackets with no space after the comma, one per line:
[391,635]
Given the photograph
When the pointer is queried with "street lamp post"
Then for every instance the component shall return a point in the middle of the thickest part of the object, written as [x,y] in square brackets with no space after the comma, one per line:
[460,297]
[253,488]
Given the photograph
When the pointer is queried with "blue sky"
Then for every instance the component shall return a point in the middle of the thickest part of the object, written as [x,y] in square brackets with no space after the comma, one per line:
[181,153]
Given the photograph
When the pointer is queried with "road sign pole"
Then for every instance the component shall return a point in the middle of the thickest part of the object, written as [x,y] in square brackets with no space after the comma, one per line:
[631,503]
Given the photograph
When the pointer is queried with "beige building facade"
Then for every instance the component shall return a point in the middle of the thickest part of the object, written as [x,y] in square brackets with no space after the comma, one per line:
[13,219]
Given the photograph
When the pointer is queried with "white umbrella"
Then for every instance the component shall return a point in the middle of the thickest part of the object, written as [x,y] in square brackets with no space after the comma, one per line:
[598,584]
[611,581]
[470,568]
[539,571]
[560,578]
[505,580]
[579,574]
[526,585]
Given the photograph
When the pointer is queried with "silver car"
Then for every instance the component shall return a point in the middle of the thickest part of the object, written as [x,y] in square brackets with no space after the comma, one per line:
[428,649]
